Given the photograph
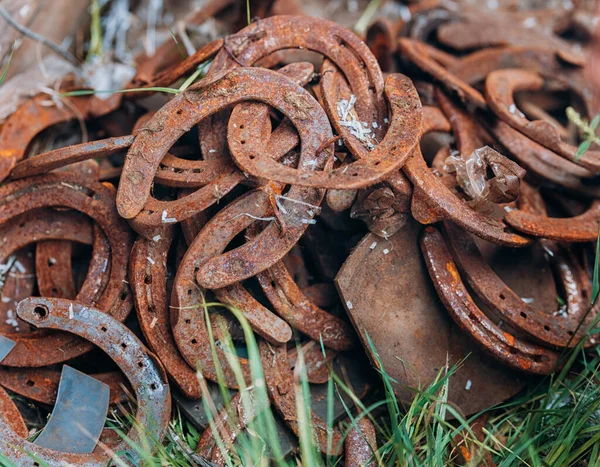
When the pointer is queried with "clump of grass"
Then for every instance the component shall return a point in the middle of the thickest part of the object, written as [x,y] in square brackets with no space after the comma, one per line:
[554,422]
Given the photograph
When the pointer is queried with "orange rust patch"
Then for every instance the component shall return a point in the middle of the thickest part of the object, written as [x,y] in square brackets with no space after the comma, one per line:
[7,152]
[509,337]
[451,268]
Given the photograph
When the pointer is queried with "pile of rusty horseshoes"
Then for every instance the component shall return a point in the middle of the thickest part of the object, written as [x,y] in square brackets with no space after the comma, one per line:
[461,173]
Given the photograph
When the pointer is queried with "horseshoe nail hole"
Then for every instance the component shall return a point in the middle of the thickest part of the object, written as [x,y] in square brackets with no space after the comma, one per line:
[36,464]
[502,297]
[30,383]
[180,111]
[570,333]
[355,175]
[140,364]
[546,327]
[188,321]
[377,163]
[123,345]
[153,387]
[523,315]
[51,262]
[189,291]
[196,171]
[252,157]
[103,329]
[147,279]
[512,350]
[22,224]
[196,269]
[194,341]
[123,295]
[242,142]
[54,291]
[40,312]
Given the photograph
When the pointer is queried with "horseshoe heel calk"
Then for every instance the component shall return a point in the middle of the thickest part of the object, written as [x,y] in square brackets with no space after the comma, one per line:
[6,345]
[79,414]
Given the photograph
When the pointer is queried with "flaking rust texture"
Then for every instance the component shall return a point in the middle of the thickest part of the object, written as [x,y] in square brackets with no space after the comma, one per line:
[415,220]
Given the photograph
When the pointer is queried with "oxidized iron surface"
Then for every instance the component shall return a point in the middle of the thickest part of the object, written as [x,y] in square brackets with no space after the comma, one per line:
[386,281]
[479,210]
[143,370]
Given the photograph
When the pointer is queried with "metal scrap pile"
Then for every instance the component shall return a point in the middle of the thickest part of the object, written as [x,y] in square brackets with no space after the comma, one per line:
[249,188]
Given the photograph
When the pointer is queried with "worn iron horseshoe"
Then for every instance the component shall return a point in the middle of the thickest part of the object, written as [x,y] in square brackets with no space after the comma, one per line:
[143,370]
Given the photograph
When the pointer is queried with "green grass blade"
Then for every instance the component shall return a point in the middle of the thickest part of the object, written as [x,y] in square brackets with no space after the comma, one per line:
[582,149]
[178,45]
[92,92]
[596,277]
[5,71]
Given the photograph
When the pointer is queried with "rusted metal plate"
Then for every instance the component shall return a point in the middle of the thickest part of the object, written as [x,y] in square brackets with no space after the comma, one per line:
[390,298]
[77,419]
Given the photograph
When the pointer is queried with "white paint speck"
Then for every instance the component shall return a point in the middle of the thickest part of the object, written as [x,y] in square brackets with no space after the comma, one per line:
[468,385]
[153,322]
[11,321]
[386,251]
[373,245]
[527,300]
[167,220]
[349,305]
[71,313]
[530,22]
[156,238]
[150,260]
[405,13]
